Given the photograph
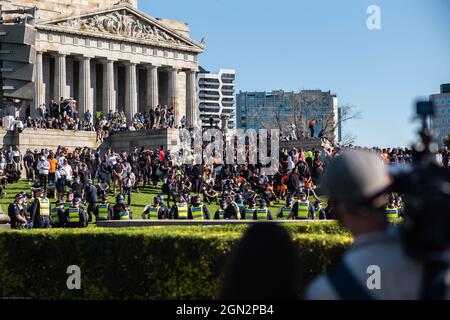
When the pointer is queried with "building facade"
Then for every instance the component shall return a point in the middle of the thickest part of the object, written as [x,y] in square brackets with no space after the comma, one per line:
[441,120]
[216,97]
[280,109]
[108,55]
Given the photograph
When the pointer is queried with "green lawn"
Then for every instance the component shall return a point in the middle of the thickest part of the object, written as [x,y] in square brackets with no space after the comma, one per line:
[139,200]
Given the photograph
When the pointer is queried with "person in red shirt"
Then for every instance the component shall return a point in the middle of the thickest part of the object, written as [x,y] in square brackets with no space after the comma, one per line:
[161,154]
[312,124]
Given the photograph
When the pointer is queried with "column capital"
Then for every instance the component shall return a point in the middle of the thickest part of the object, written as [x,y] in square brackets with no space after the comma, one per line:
[108,60]
[130,63]
[59,54]
[86,57]
[190,70]
[152,66]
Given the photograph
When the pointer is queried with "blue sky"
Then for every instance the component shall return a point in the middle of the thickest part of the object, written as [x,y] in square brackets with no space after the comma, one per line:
[325,44]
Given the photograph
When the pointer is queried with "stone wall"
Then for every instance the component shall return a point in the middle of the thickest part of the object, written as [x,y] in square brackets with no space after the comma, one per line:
[50,139]
[305,144]
[168,138]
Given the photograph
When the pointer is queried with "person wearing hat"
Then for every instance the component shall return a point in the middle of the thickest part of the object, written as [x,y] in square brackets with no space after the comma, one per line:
[155,211]
[180,208]
[76,215]
[220,213]
[250,211]
[285,212]
[121,210]
[198,211]
[40,211]
[262,213]
[319,212]
[43,168]
[58,216]
[16,213]
[104,210]
[302,209]
[357,183]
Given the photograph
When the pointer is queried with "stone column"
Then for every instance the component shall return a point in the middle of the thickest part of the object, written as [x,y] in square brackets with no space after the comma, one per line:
[39,97]
[173,96]
[152,86]
[60,77]
[85,102]
[109,95]
[130,92]
[191,99]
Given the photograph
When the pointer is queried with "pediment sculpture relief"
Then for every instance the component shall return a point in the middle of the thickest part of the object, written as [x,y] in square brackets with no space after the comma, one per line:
[121,24]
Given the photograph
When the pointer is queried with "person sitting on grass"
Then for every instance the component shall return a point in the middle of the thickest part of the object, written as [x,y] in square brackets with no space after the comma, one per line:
[210,195]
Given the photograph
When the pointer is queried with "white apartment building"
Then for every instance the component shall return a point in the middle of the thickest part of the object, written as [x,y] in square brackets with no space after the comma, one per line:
[216,97]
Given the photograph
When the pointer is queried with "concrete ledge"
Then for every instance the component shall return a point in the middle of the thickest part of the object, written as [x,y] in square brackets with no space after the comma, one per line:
[5,226]
[154,223]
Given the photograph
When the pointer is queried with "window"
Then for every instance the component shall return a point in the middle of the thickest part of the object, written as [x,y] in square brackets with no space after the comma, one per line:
[448,110]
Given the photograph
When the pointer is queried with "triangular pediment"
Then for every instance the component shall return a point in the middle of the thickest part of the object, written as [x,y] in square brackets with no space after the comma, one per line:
[123,22]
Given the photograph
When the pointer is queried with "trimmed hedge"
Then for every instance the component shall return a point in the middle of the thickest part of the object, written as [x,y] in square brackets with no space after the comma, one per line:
[137,263]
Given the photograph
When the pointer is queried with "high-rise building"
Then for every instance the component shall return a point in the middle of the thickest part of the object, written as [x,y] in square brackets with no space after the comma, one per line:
[280,109]
[441,119]
[216,97]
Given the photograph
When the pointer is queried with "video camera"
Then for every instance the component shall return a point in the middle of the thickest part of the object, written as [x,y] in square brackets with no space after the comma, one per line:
[426,189]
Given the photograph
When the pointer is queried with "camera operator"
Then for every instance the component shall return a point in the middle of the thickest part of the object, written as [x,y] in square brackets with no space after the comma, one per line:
[409,262]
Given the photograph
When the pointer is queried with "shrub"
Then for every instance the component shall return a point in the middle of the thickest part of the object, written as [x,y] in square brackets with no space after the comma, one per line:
[137,263]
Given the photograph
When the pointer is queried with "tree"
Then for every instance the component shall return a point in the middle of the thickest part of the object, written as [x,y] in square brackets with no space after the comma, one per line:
[346,113]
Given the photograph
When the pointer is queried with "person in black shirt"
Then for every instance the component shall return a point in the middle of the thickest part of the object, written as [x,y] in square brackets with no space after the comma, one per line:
[319,212]
[16,214]
[77,188]
[91,197]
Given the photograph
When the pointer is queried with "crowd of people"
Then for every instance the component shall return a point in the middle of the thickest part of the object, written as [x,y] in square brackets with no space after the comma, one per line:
[65,116]
[83,176]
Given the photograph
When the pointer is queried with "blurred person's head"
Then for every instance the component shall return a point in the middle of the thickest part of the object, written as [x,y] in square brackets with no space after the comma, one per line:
[357,183]
[264,247]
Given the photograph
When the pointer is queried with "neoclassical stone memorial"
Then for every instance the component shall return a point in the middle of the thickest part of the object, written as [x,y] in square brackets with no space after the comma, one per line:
[112,56]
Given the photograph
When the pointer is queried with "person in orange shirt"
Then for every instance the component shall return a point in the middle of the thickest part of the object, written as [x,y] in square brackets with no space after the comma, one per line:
[53,165]
[51,172]
[309,187]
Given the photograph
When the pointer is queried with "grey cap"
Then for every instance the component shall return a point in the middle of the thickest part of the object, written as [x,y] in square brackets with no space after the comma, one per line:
[355,176]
